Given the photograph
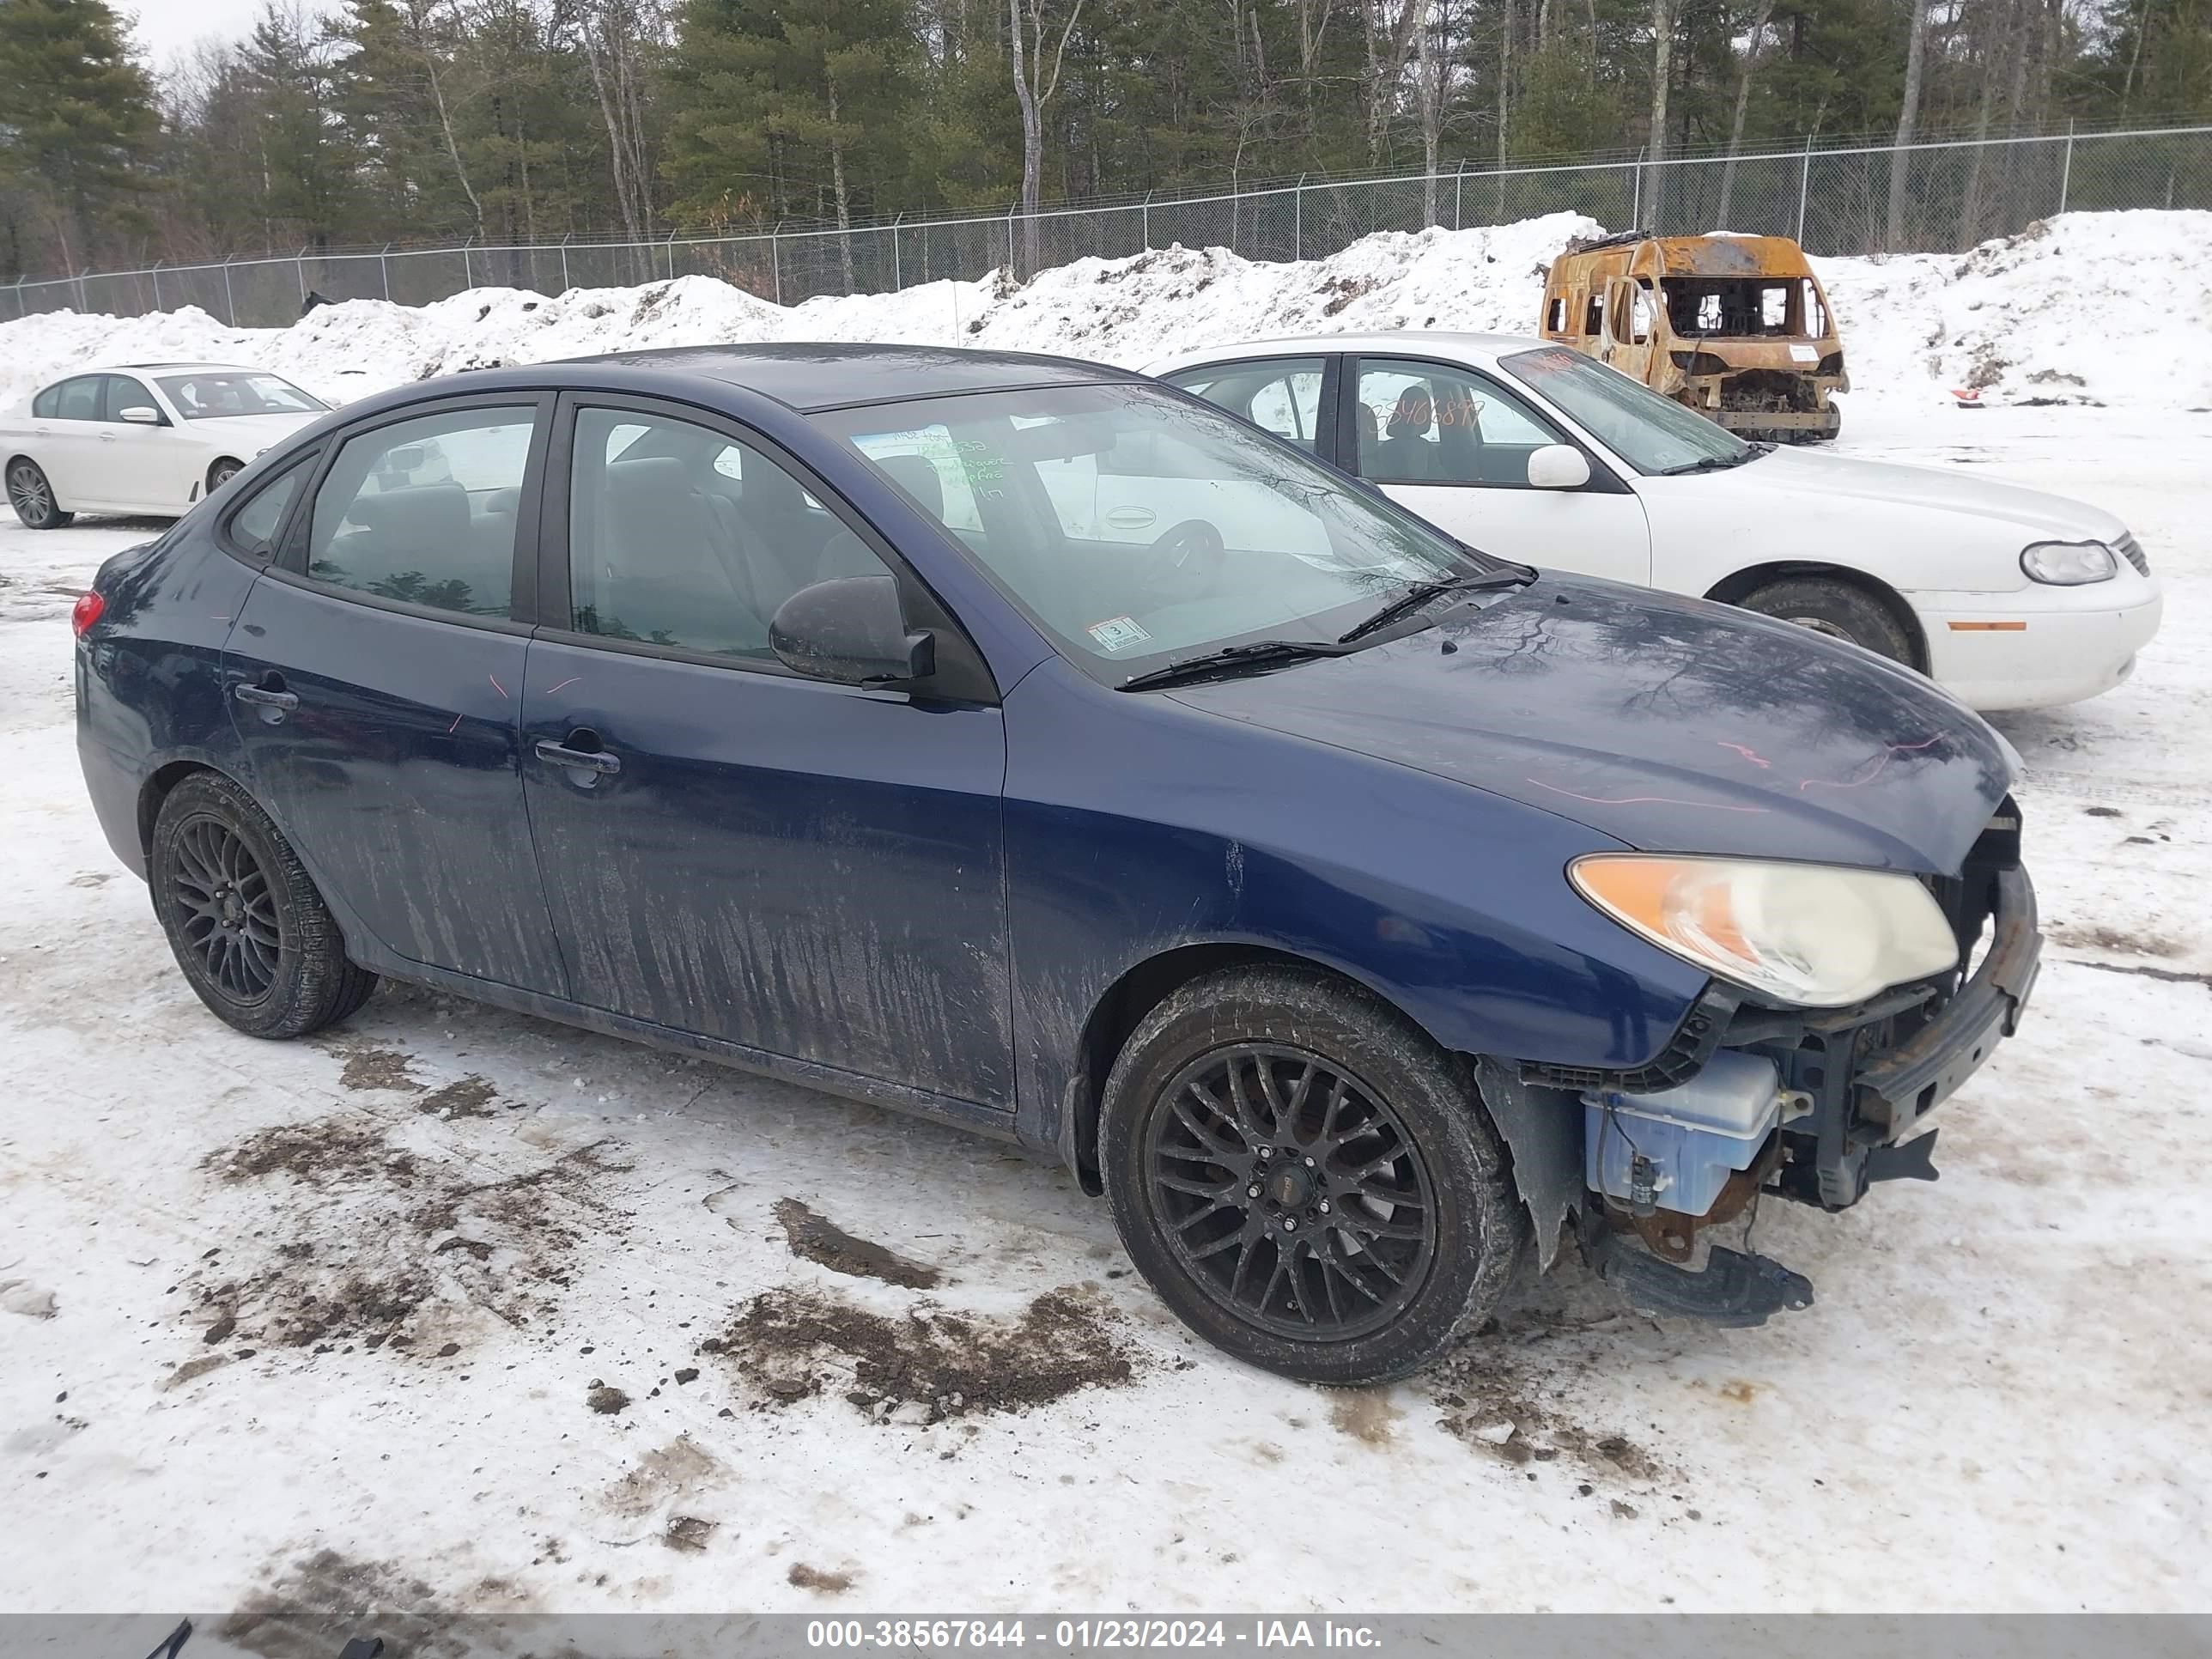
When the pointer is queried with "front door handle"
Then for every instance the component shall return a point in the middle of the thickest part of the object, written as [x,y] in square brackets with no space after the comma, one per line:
[595,760]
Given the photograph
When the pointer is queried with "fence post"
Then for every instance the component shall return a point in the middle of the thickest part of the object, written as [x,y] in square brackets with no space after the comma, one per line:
[1804,186]
[384,269]
[1459,187]
[468,269]
[19,313]
[156,274]
[1636,209]
[672,254]
[1013,270]
[2066,168]
[775,259]
[897,285]
[300,269]
[1298,220]
[230,300]
[1146,215]
[565,235]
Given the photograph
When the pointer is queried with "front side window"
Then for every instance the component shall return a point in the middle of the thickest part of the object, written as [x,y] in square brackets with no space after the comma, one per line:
[1224,535]
[254,526]
[1652,434]
[123,392]
[423,511]
[680,536]
[1282,395]
[1422,422]
[221,394]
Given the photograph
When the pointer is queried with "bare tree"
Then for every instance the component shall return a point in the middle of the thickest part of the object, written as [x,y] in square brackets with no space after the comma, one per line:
[1033,89]
[1742,105]
[1663,74]
[614,36]
[1389,45]
[1431,78]
[1908,121]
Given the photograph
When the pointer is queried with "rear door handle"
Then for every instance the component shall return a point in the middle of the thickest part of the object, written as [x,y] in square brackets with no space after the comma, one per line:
[108,437]
[583,760]
[262,697]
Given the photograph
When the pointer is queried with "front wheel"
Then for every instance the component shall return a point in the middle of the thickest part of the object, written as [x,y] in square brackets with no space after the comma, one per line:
[32,496]
[1307,1179]
[1840,610]
[222,473]
[243,917]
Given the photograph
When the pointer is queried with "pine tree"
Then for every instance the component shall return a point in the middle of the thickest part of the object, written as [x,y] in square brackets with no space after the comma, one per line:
[77,130]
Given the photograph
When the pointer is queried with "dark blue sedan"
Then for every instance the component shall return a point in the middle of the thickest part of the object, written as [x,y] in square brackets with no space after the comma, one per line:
[1032,745]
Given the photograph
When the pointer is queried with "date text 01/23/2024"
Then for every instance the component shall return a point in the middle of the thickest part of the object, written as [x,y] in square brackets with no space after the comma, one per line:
[1073,1635]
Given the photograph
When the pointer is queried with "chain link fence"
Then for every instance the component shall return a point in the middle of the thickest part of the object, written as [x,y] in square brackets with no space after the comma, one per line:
[1946,196]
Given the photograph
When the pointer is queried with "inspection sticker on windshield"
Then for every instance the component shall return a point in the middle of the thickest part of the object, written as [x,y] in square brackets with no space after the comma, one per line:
[1117,633]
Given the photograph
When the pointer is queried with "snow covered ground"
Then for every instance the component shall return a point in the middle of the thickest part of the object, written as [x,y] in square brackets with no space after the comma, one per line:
[466,1311]
[2089,307]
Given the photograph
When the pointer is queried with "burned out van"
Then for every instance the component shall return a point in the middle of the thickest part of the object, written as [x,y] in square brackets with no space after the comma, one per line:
[1737,327]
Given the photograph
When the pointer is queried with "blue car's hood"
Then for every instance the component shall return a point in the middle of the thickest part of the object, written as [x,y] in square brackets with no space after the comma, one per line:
[1669,724]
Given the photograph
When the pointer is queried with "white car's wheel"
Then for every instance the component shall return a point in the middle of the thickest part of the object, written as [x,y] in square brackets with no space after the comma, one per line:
[222,473]
[1838,608]
[32,496]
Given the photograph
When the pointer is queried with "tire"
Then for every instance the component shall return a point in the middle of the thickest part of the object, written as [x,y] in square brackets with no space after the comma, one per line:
[1838,608]
[32,496]
[245,923]
[222,473]
[1293,1037]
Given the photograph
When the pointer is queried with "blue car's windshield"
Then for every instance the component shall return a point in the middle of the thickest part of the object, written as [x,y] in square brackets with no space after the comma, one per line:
[1139,526]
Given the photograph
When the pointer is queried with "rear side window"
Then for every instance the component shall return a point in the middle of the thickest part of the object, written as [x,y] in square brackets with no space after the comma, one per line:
[48,403]
[254,527]
[1283,395]
[79,398]
[425,510]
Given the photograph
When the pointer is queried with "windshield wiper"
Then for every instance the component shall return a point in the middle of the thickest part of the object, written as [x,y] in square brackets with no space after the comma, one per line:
[1421,593]
[1256,654]
[1719,463]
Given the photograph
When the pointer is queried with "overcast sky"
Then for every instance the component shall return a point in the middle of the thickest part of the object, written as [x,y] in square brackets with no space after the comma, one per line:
[167,28]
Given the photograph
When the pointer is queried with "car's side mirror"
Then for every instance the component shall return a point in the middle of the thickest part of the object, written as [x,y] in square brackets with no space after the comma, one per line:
[851,630]
[1558,466]
[142,415]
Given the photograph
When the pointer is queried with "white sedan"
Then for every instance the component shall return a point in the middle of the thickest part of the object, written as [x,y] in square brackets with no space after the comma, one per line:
[143,437]
[2009,597]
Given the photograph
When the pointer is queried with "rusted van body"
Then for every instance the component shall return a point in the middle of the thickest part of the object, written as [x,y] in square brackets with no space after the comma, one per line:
[1737,327]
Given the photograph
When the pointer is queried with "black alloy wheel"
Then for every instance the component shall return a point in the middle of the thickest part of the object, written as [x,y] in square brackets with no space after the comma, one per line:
[1306,1178]
[1291,1193]
[226,914]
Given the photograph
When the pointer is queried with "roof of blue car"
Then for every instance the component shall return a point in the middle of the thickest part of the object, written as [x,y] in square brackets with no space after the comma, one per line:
[816,376]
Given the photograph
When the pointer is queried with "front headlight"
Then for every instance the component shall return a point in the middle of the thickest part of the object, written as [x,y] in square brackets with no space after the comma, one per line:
[1803,934]
[2069,564]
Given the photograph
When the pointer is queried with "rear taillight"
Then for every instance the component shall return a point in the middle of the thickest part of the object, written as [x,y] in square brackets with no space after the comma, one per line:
[86,611]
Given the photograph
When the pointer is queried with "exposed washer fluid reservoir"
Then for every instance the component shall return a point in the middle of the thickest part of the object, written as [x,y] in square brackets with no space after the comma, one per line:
[1675,1149]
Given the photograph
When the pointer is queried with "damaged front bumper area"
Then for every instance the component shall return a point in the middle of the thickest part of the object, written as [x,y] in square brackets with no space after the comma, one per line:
[1812,1106]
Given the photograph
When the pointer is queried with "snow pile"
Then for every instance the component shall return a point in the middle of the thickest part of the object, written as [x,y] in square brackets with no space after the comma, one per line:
[2087,307]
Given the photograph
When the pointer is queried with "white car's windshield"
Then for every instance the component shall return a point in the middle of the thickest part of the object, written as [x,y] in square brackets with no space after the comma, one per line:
[1652,434]
[1139,526]
[216,394]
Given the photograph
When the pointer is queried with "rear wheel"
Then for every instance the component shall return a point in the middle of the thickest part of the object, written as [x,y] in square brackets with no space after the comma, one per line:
[1838,608]
[32,496]
[1306,1179]
[251,932]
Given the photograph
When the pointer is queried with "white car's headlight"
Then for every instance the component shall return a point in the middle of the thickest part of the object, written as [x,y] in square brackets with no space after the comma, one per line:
[2069,564]
[1803,934]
